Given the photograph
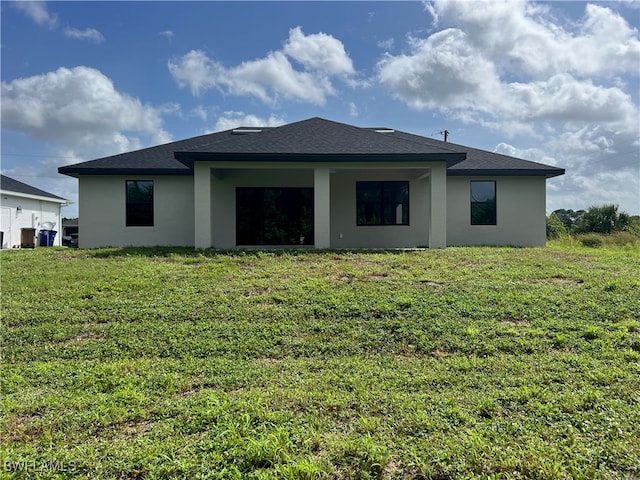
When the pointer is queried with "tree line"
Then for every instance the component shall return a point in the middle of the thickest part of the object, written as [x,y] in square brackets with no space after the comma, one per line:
[604,219]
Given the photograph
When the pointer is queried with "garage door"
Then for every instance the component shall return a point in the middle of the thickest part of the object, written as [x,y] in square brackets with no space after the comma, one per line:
[5,226]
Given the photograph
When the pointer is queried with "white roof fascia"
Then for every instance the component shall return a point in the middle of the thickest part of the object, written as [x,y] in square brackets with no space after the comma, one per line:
[33,197]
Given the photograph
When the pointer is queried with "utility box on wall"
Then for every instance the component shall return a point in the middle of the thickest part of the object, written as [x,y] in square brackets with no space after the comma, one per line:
[27,238]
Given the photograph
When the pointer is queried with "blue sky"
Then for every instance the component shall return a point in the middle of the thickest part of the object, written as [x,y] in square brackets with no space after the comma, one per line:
[554,82]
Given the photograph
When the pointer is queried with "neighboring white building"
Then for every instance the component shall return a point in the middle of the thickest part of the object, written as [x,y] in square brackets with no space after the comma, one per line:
[313,183]
[25,210]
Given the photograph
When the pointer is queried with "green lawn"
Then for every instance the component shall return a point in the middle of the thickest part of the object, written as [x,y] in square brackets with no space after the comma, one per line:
[455,363]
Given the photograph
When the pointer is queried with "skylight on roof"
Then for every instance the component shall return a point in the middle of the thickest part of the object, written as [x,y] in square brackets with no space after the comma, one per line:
[385,130]
[245,130]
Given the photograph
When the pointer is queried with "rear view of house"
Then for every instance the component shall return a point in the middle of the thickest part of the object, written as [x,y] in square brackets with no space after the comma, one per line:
[314,183]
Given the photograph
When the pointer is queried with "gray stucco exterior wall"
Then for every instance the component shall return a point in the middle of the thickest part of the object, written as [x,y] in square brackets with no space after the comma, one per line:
[102,212]
[520,206]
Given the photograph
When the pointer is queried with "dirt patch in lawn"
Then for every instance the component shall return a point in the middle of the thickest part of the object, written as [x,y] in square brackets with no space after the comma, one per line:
[23,428]
[559,280]
[515,322]
[136,429]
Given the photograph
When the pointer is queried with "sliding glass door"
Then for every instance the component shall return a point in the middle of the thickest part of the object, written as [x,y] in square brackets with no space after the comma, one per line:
[274,216]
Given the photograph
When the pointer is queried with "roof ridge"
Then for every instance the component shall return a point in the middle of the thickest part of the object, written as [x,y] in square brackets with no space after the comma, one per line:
[246,143]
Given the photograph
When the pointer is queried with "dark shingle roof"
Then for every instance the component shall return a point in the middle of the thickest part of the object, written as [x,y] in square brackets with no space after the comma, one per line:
[315,139]
[153,160]
[9,184]
[317,136]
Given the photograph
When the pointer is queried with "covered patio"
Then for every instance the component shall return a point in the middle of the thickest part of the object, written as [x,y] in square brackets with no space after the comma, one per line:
[338,204]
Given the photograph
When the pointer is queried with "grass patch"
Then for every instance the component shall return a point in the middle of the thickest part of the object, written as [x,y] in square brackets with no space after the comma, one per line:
[627,240]
[456,363]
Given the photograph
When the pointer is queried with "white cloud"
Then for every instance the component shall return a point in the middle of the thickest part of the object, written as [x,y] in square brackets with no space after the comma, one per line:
[200,112]
[319,52]
[443,70]
[168,34]
[507,65]
[38,13]
[267,78]
[196,70]
[272,77]
[353,110]
[387,44]
[523,37]
[80,108]
[231,119]
[90,34]
[519,68]
[564,98]
[607,44]
[170,108]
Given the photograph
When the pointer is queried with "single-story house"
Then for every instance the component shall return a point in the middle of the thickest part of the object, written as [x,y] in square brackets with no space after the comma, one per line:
[25,211]
[314,183]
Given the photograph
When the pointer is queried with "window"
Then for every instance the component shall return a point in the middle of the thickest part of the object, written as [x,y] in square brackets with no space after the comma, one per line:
[139,203]
[382,203]
[274,216]
[483,203]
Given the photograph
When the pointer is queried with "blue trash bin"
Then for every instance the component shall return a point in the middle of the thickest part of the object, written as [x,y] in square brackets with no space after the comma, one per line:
[46,238]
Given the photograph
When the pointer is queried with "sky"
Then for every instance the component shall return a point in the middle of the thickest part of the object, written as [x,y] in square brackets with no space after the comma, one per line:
[551,82]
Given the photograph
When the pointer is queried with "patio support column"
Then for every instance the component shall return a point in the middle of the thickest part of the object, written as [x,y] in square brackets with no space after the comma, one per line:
[202,205]
[321,207]
[438,206]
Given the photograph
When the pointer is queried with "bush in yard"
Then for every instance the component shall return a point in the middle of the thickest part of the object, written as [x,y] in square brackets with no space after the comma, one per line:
[556,227]
[591,240]
[622,239]
[634,225]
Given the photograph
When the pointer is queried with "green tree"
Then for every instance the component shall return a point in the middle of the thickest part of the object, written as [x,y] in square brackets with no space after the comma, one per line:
[568,217]
[604,219]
